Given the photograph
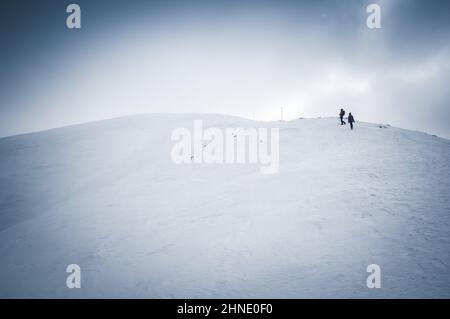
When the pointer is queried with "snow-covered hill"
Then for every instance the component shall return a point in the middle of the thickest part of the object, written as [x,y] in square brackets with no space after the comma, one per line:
[106,196]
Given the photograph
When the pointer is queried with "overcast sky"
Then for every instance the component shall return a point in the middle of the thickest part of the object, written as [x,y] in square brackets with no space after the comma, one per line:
[245,58]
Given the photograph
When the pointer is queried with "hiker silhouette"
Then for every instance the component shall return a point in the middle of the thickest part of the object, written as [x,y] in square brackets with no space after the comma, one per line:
[341,116]
[351,120]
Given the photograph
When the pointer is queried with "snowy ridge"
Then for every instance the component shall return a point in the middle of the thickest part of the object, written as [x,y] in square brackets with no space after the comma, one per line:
[106,195]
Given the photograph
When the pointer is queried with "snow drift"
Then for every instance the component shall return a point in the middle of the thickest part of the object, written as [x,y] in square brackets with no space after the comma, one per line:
[106,196]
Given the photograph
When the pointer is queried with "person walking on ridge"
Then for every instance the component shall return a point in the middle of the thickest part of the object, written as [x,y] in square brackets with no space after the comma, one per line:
[341,116]
[351,120]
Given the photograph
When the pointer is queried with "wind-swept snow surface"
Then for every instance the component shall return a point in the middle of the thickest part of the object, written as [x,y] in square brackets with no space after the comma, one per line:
[107,196]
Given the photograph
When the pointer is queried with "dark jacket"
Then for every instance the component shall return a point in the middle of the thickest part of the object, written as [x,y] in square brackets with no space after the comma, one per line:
[351,119]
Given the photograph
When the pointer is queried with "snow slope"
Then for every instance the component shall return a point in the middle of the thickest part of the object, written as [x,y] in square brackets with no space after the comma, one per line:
[106,196]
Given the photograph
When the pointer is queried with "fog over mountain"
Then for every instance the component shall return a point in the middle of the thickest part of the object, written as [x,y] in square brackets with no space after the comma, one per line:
[244,58]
